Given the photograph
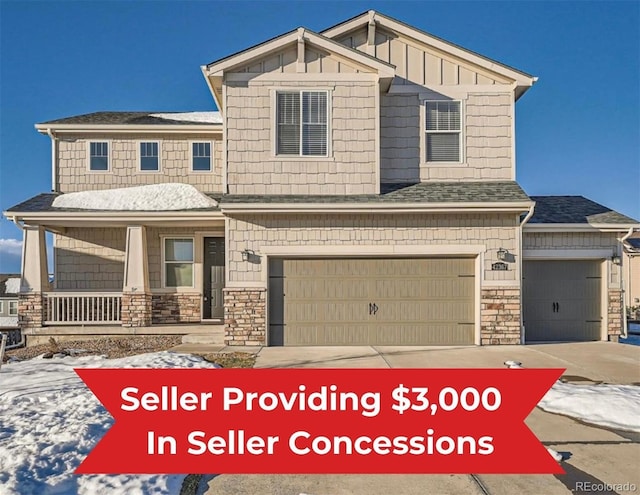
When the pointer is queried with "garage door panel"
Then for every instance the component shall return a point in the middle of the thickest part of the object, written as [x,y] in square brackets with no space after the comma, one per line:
[562,300]
[373,302]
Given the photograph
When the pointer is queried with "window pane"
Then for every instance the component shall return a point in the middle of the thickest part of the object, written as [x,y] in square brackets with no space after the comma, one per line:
[201,163]
[178,249]
[443,147]
[314,139]
[288,111]
[179,275]
[443,116]
[13,308]
[288,119]
[201,156]
[314,107]
[149,163]
[99,163]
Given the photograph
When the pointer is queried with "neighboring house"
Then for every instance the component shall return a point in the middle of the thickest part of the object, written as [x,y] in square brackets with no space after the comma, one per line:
[9,290]
[357,186]
[631,272]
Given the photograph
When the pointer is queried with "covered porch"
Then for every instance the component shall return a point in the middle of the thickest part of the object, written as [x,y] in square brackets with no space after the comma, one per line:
[120,273]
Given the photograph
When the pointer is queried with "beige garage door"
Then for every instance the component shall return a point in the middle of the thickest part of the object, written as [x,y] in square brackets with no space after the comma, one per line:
[562,300]
[371,301]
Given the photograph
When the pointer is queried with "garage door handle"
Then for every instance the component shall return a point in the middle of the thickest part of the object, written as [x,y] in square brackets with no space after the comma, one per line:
[373,308]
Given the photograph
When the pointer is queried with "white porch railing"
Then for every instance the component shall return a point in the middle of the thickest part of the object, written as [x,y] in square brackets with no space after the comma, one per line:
[82,308]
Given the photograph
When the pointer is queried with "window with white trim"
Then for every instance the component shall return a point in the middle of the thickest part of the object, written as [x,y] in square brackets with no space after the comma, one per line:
[13,308]
[302,123]
[178,262]
[98,156]
[443,131]
[149,156]
[201,157]
[1,307]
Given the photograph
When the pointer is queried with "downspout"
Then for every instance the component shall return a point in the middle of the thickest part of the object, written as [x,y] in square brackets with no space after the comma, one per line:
[623,332]
[522,224]
[54,159]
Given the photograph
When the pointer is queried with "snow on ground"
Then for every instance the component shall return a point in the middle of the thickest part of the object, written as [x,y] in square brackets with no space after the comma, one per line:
[199,117]
[157,197]
[12,285]
[614,406]
[50,420]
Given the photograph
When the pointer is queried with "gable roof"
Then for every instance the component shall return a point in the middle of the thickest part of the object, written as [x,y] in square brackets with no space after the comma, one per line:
[9,284]
[575,210]
[523,79]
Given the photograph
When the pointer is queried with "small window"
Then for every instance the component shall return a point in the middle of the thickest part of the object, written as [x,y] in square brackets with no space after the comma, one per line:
[149,157]
[178,262]
[1,307]
[201,157]
[444,134]
[99,156]
[13,308]
[302,123]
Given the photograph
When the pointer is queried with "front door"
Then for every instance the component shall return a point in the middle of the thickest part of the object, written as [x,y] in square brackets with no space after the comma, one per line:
[212,305]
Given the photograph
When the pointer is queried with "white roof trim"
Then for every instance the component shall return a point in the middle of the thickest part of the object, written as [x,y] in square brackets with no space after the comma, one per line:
[521,78]
[244,57]
[158,128]
[579,227]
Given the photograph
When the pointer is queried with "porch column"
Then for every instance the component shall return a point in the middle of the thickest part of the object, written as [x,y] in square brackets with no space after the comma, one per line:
[34,279]
[136,294]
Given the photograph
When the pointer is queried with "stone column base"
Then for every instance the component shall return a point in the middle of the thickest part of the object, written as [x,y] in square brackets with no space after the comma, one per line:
[614,313]
[500,316]
[31,310]
[136,309]
[245,316]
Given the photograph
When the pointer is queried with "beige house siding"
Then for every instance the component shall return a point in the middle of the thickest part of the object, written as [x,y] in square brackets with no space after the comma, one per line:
[315,62]
[577,241]
[487,139]
[420,63]
[259,231]
[124,150]
[631,277]
[252,165]
[90,259]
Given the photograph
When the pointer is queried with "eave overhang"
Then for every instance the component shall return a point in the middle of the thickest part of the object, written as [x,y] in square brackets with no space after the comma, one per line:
[126,128]
[580,227]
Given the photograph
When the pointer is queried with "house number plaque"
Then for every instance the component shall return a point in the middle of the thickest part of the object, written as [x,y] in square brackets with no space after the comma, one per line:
[499,266]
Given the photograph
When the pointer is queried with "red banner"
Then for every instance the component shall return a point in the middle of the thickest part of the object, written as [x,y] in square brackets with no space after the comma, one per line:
[219,421]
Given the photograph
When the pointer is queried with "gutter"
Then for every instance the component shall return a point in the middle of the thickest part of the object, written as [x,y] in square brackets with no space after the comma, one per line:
[522,224]
[622,240]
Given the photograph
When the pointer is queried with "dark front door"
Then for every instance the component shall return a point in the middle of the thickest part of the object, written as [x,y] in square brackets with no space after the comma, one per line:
[213,306]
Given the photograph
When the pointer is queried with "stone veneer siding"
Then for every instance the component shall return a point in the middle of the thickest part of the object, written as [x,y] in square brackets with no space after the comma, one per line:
[135,310]
[245,316]
[31,310]
[500,316]
[176,308]
[614,309]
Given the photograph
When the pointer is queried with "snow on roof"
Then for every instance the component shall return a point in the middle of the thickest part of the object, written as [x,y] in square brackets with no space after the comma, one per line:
[201,117]
[8,321]
[157,197]
[12,286]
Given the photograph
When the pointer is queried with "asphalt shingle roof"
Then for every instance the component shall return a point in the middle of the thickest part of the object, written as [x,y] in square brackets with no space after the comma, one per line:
[124,118]
[574,209]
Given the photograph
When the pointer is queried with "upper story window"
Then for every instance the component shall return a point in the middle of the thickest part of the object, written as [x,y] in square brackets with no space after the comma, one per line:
[201,157]
[13,308]
[99,156]
[302,123]
[178,262]
[444,131]
[149,156]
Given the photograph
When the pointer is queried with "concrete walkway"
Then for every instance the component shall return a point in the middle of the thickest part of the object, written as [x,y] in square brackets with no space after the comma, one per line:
[592,455]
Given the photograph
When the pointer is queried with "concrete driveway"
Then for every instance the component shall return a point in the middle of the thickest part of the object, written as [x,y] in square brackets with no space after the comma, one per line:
[593,456]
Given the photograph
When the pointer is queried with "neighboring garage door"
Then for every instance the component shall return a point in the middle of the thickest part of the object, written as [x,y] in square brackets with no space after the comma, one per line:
[562,300]
[371,301]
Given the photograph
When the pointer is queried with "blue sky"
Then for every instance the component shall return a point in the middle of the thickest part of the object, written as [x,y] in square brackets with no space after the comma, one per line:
[578,128]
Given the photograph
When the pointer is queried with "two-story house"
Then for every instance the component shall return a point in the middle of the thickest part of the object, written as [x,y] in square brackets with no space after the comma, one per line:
[356,186]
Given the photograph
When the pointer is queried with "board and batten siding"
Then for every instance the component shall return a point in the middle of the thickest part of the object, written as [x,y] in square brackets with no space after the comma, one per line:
[124,150]
[254,232]
[575,242]
[253,167]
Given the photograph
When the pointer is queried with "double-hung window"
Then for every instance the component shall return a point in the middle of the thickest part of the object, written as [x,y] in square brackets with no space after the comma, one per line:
[149,156]
[302,123]
[98,156]
[13,308]
[201,157]
[444,131]
[178,262]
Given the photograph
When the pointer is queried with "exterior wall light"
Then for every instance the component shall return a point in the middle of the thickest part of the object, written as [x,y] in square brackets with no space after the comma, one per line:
[616,260]
[247,254]
[502,254]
